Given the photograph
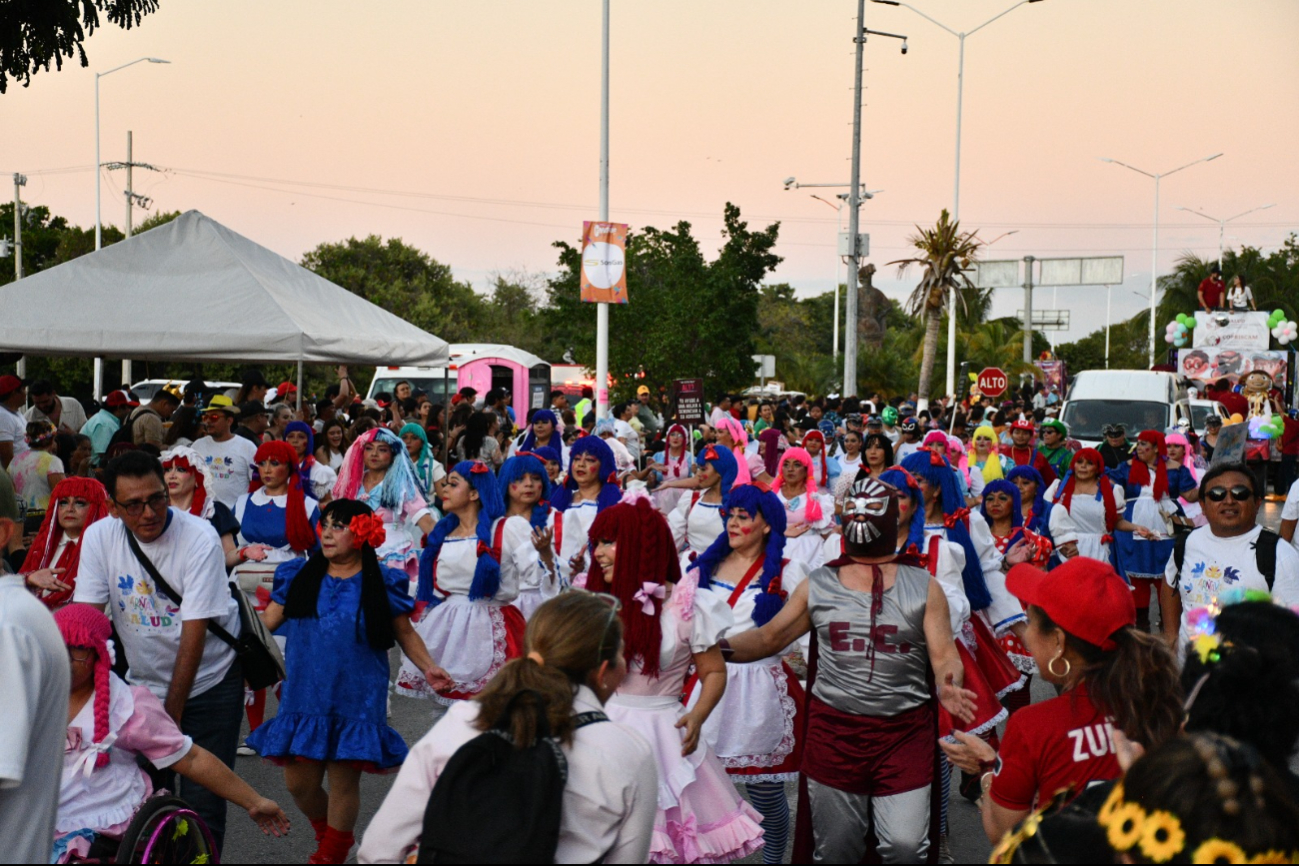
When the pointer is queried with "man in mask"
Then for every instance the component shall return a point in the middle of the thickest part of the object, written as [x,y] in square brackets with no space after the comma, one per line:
[881,630]
[1116,449]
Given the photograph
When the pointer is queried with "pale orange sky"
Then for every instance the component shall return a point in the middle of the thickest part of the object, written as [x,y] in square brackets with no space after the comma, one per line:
[487,114]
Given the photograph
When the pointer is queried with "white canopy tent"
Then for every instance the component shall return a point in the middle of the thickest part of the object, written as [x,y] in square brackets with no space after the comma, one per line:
[193,290]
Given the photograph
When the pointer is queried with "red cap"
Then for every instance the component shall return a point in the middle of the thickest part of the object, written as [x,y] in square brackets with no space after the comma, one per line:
[8,384]
[1023,424]
[1085,597]
[119,398]
[285,387]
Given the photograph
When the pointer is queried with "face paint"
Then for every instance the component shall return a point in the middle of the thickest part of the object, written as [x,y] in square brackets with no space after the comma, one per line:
[870,518]
[747,530]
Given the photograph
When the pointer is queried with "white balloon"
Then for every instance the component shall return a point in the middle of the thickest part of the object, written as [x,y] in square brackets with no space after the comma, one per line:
[1276,332]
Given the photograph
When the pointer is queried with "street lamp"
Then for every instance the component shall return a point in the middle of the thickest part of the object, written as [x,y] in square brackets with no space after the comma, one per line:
[956,194]
[1154,247]
[99,230]
[99,227]
[1222,224]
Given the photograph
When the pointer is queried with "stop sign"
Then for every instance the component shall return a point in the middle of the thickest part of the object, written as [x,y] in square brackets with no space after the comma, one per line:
[993,381]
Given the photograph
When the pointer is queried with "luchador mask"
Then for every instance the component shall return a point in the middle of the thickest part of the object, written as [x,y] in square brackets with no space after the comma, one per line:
[870,519]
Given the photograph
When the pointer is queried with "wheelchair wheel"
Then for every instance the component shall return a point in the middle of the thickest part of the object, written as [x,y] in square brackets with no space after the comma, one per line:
[166,830]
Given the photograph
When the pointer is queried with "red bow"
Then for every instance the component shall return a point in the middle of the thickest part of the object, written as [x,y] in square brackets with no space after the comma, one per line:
[368,529]
[710,453]
[911,479]
[478,468]
[613,478]
[484,548]
[936,459]
[959,517]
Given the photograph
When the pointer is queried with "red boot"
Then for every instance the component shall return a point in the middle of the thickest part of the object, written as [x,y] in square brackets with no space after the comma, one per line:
[334,847]
[319,825]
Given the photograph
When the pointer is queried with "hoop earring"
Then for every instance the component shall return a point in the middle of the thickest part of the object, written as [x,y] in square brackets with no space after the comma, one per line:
[1050,667]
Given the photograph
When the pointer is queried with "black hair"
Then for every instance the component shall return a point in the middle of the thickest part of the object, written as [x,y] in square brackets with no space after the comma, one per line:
[877,440]
[132,464]
[1250,692]
[184,423]
[40,388]
[555,392]
[1216,472]
[476,433]
[374,611]
[162,394]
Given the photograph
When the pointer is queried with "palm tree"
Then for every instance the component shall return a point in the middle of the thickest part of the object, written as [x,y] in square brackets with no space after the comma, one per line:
[946,254]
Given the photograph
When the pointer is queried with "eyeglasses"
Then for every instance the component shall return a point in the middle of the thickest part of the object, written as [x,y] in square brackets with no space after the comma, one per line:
[81,653]
[135,507]
[1239,493]
[1114,430]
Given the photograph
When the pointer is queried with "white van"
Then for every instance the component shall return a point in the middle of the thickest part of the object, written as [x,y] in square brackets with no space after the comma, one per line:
[1137,399]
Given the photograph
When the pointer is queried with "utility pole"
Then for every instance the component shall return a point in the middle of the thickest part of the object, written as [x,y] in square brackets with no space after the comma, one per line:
[1028,309]
[854,214]
[132,199]
[19,182]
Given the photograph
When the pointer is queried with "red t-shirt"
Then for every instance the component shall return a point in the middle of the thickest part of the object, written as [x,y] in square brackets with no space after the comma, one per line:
[1290,438]
[1061,743]
[1213,291]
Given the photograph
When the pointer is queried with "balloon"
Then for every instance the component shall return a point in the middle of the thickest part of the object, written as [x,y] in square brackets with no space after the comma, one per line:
[1236,418]
[1172,328]
[1180,342]
[1285,339]
[1279,313]
[1190,323]
[1168,338]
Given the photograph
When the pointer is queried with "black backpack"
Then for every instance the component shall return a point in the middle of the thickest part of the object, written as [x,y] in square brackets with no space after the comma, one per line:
[126,433]
[1264,554]
[494,803]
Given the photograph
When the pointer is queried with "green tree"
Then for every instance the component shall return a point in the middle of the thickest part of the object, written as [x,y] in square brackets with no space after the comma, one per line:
[404,281]
[512,314]
[946,254]
[686,317]
[34,33]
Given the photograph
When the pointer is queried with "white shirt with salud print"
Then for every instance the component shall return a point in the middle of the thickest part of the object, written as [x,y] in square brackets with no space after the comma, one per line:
[1213,565]
[1239,297]
[13,429]
[231,463]
[34,678]
[189,557]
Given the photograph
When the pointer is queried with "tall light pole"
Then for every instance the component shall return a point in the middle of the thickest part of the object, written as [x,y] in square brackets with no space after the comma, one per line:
[99,226]
[99,229]
[1222,223]
[1154,245]
[602,310]
[956,193]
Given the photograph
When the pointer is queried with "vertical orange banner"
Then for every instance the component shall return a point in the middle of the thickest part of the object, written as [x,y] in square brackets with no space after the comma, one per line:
[604,263]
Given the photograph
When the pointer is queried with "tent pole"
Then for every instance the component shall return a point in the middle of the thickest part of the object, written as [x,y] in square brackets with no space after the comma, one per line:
[299,387]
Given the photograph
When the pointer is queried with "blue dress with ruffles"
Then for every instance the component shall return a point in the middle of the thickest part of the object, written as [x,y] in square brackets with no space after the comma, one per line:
[334,703]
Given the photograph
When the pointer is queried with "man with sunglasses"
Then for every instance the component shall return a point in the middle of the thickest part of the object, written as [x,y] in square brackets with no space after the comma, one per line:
[167,643]
[1116,449]
[1232,552]
[230,457]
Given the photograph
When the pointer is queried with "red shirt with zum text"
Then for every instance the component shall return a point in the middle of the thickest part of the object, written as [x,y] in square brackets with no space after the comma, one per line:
[1061,743]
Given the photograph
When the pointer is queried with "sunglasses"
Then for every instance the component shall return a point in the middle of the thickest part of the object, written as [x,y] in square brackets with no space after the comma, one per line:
[135,507]
[1239,493]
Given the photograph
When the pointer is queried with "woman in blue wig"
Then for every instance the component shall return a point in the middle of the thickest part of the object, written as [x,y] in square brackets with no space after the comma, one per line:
[468,574]
[428,469]
[377,471]
[590,487]
[755,728]
[1035,509]
[525,492]
[317,479]
[697,520]
[543,432]
[948,518]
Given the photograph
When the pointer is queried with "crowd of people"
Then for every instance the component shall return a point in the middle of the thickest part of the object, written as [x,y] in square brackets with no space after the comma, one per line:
[674,621]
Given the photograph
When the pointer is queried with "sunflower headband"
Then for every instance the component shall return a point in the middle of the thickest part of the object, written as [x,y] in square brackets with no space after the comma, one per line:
[1159,836]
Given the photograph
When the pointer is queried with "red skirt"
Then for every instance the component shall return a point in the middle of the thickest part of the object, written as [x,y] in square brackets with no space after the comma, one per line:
[988,711]
[874,755]
[994,659]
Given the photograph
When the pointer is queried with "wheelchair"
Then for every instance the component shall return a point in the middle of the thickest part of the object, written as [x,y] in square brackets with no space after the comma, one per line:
[164,830]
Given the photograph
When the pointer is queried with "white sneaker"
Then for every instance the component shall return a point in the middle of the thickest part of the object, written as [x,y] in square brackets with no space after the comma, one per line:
[245,751]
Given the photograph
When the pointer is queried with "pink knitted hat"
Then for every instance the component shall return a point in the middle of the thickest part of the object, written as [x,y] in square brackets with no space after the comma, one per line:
[83,626]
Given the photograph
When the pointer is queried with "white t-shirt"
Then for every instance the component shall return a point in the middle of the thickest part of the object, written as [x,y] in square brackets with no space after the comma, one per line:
[1212,565]
[34,678]
[231,463]
[627,433]
[188,555]
[903,449]
[13,429]
[1290,511]
[1239,296]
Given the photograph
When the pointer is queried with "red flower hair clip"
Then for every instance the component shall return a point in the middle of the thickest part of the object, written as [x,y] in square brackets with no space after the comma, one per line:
[368,529]
[478,468]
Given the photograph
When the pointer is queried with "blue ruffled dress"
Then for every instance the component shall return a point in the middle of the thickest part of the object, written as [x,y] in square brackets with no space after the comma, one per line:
[1136,558]
[334,703]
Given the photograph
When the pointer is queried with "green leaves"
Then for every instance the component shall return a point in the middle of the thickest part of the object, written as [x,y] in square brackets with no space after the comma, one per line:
[35,32]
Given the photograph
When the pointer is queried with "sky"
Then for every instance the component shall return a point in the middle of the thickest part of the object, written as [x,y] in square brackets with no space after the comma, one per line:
[471,129]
